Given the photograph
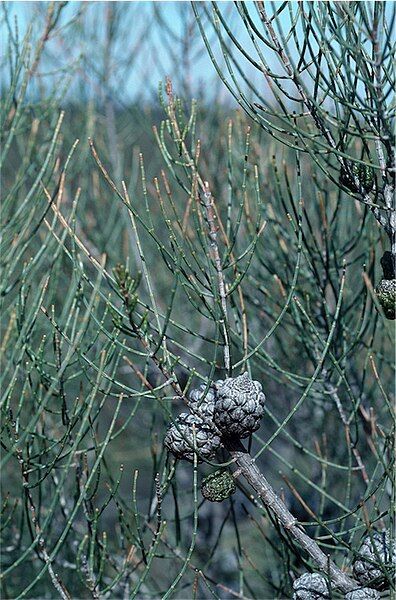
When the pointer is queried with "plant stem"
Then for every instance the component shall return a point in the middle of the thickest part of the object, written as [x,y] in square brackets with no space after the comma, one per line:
[210,217]
[267,494]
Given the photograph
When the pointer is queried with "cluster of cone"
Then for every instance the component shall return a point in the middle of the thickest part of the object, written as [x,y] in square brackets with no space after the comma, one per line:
[230,407]
[373,568]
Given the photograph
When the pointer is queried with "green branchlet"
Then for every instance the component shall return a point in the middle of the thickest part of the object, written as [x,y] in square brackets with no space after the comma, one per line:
[127,286]
[357,177]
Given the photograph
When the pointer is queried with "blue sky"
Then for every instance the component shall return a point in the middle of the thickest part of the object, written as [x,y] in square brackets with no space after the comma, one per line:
[144,52]
[150,41]
[153,48]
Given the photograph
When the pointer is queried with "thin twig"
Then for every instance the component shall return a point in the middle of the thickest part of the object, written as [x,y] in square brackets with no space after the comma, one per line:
[208,203]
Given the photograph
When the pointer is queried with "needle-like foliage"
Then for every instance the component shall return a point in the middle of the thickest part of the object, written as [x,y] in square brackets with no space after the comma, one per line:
[318,76]
[142,263]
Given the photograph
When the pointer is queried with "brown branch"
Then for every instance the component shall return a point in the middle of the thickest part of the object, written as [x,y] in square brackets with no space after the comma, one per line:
[262,487]
[209,206]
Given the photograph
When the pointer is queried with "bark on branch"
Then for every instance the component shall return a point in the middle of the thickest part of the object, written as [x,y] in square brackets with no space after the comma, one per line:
[253,475]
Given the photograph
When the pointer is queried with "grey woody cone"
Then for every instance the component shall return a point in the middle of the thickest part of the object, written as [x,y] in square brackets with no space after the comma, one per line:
[239,405]
[310,586]
[363,594]
[377,556]
[386,294]
[201,403]
[180,438]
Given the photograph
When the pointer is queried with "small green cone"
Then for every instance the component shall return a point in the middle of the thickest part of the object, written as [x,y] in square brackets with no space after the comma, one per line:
[386,294]
[218,486]
[364,174]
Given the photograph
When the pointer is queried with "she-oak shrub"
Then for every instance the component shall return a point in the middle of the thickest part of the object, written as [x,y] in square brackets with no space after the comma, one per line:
[266,267]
